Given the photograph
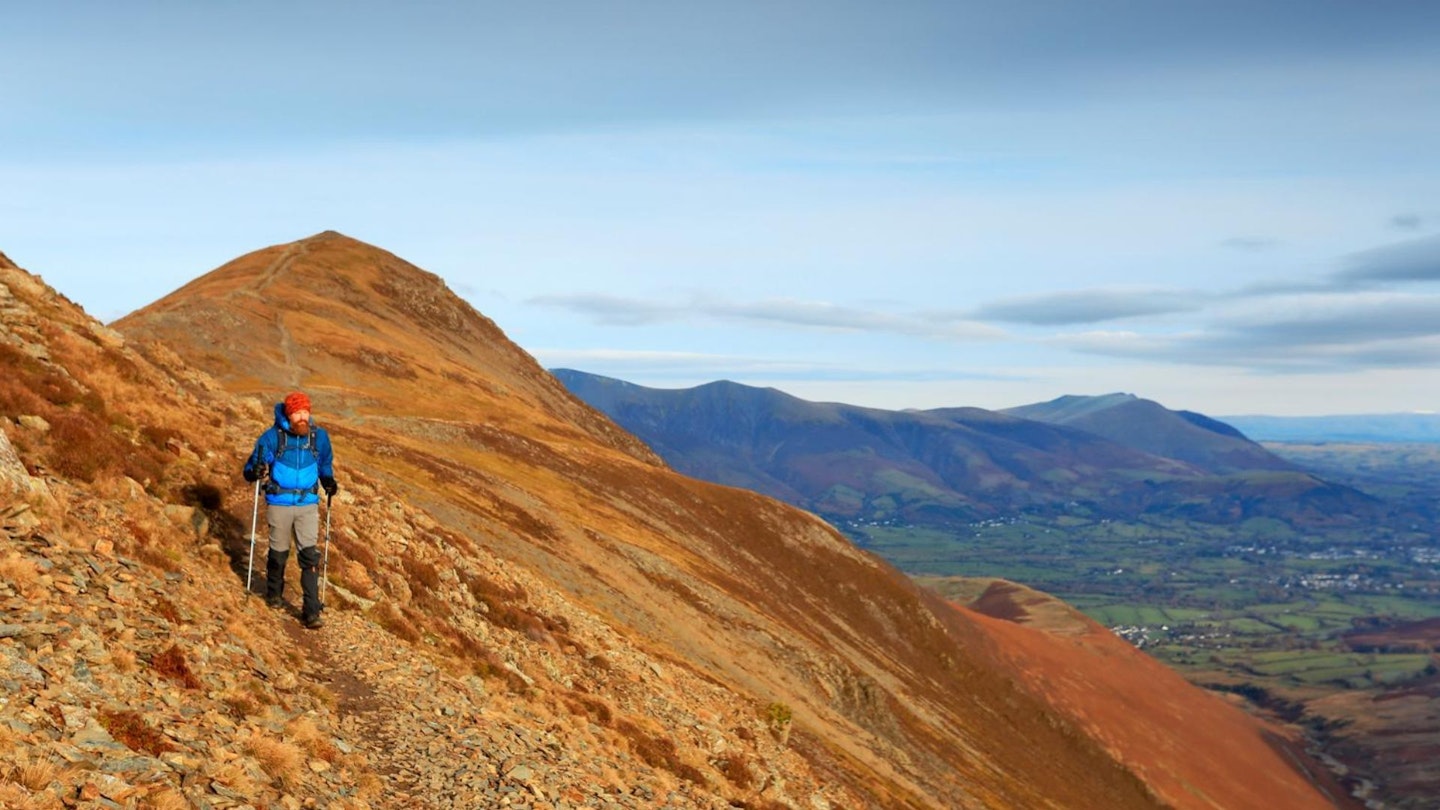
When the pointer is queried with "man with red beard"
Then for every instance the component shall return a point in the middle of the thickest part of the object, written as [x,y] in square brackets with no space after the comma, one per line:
[293,457]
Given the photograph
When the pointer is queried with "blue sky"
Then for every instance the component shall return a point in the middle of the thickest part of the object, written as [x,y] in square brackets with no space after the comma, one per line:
[1226,207]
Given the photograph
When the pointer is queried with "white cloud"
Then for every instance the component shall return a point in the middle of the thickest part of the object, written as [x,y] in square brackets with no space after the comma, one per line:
[783,313]
[1090,306]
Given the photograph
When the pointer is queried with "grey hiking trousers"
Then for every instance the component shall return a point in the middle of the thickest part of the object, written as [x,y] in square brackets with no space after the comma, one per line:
[303,522]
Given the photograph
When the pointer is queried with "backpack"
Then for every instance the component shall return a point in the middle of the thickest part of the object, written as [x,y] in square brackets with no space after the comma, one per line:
[306,471]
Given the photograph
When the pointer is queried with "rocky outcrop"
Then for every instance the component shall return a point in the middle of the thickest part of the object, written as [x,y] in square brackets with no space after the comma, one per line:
[20,492]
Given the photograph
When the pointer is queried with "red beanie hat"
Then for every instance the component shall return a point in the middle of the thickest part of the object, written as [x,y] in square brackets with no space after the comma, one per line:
[296,402]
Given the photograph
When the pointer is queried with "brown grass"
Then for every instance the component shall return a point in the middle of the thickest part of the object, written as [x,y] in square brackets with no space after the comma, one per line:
[130,729]
[11,794]
[321,693]
[240,706]
[166,799]
[160,437]
[370,787]
[736,769]
[22,574]
[280,759]
[486,663]
[79,447]
[140,533]
[166,610]
[308,736]
[421,573]
[236,776]
[390,617]
[40,382]
[149,542]
[354,577]
[16,397]
[505,607]
[356,551]
[171,665]
[165,559]
[432,601]
[592,707]
[658,752]
[258,690]
[83,446]
[122,659]
[36,776]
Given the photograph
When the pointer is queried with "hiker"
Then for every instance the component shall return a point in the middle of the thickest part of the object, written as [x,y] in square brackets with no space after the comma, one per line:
[294,459]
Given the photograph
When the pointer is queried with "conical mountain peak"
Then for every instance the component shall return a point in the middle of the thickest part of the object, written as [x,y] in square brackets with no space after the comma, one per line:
[331,313]
[330,269]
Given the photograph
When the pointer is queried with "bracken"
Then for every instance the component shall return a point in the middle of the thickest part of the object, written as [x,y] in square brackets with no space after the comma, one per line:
[171,665]
[130,729]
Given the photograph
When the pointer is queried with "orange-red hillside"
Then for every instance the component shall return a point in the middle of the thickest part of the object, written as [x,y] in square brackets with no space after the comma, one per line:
[1124,699]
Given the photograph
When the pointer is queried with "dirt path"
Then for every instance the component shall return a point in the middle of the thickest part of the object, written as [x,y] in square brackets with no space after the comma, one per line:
[439,741]
[281,264]
[287,348]
[272,273]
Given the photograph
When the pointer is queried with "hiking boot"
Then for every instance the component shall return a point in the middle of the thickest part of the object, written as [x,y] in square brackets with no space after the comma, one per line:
[275,602]
[312,622]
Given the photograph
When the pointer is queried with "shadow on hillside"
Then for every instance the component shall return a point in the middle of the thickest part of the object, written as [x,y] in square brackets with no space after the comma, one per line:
[1331,785]
[230,531]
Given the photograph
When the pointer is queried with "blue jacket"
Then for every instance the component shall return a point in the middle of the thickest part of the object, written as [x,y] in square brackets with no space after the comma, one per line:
[297,463]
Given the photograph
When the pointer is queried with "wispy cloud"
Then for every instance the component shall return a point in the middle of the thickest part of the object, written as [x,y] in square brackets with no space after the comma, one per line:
[1311,333]
[611,310]
[640,365]
[1088,306]
[1413,260]
[785,313]
[1319,320]
[1406,222]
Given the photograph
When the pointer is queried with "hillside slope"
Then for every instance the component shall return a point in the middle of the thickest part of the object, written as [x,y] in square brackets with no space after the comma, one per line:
[1119,695]
[566,617]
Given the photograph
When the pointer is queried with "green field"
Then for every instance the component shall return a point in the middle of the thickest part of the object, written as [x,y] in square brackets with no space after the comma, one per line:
[1259,601]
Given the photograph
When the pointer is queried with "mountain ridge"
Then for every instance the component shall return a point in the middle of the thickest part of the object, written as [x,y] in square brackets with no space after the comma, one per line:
[1148,426]
[951,466]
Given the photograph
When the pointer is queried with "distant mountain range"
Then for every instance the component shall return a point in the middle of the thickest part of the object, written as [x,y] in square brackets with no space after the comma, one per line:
[1111,456]
[1372,428]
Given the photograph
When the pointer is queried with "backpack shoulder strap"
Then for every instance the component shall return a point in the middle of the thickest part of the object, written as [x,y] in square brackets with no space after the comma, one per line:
[283,440]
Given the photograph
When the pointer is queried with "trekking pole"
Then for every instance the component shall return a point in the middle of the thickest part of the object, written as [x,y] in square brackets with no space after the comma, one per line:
[254,516]
[325,566]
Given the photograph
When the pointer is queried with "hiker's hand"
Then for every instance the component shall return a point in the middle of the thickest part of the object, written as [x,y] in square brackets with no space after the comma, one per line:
[329,485]
[256,472]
